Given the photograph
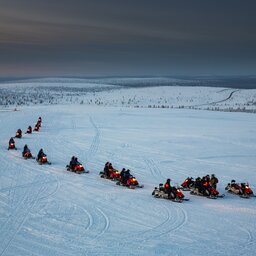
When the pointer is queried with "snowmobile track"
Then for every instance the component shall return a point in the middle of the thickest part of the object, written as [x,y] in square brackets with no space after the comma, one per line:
[106,221]
[155,171]
[18,218]
[175,220]
[95,142]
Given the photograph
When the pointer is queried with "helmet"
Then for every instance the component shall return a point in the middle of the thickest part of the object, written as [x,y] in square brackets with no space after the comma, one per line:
[168,180]
[123,169]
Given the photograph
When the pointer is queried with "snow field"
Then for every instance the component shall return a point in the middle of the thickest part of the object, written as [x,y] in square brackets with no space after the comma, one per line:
[45,210]
[139,93]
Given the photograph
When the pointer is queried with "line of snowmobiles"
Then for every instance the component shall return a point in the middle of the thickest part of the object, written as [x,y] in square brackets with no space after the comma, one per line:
[26,154]
[241,189]
[205,186]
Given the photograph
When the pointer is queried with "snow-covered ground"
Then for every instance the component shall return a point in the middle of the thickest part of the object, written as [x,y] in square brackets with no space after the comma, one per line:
[45,210]
[139,93]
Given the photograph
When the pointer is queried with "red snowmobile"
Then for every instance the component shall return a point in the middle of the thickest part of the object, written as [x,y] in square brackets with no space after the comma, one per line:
[131,182]
[114,174]
[27,155]
[43,160]
[12,146]
[109,172]
[18,134]
[242,189]
[174,194]
[77,168]
[187,184]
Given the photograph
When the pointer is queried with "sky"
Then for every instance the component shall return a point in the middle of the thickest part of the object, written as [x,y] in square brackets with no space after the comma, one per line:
[127,37]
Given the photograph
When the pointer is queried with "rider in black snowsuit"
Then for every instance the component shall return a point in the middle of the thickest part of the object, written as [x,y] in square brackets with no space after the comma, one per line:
[40,154]
[126,176]
[11,141]
[199,185]
[25,150]
[106,169]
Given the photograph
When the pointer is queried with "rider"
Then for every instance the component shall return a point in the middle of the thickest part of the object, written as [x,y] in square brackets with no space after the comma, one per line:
[19,132]
[40,154]
[199,184]
[126,176]
[122,175]
[29,130]
[11,141]
[168,187]
[213,181]
[73,162]
[106,169]
[25,150]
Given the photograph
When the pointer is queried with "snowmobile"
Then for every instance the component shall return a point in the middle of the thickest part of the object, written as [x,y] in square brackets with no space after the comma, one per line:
[242,189]
[78,168]
[36,128]
[29,130]
[43,160]
[113,175]
[187,184]
[12,146]
[131,183]
[27,155]
[38,124]
[175,195]
[18,134]
[207,191]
